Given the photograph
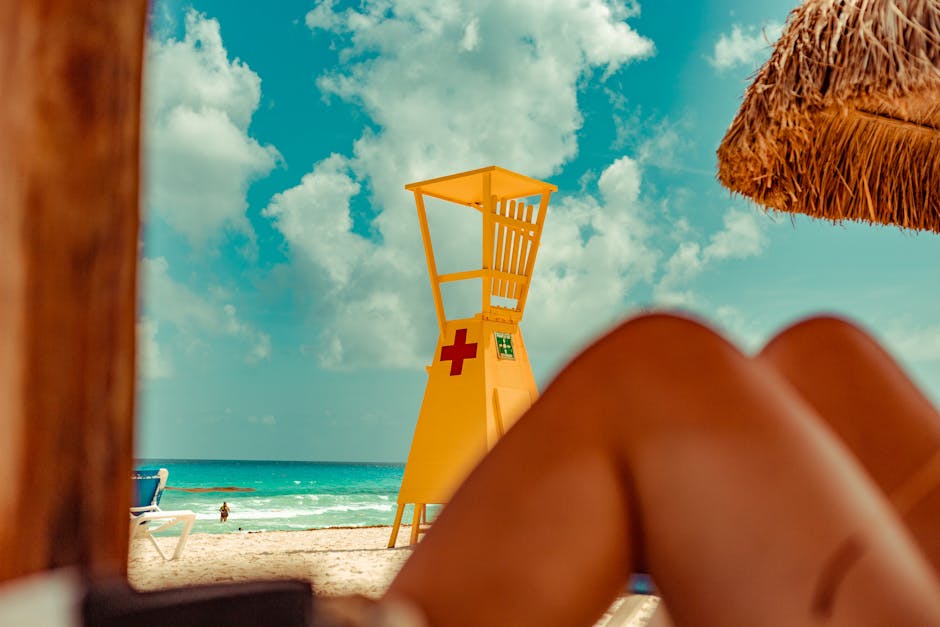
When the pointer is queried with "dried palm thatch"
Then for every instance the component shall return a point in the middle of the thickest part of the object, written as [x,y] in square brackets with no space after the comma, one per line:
[843,121]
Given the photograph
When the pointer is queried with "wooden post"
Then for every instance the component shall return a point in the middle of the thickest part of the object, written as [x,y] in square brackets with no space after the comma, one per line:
[70,75]
[489,208]
[416,522]
[432,264]
[399,510]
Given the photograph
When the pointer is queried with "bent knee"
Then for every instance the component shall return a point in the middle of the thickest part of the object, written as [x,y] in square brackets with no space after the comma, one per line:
[819,337]
[659,373]
[658,349]
[669,334]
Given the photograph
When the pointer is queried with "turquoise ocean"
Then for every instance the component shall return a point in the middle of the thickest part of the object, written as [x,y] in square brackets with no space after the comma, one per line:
[277,495]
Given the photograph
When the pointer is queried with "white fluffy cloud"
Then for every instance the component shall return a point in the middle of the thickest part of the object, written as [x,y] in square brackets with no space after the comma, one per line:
[448,80]
[449,86]
[745,46]
[191,317]
[452,86]
[366,292]
[597,249]
[594,250]
[152,363]
[916,342]
[201,158]
[746,331]
[743,235]
[314,218]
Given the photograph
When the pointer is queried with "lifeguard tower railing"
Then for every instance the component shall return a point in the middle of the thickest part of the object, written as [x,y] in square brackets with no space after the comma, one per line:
[512,230]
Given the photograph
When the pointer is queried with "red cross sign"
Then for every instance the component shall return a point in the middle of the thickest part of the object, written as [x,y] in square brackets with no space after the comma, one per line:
[458,351]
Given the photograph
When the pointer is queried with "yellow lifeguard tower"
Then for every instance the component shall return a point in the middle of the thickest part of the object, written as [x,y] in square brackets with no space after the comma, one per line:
[480,380]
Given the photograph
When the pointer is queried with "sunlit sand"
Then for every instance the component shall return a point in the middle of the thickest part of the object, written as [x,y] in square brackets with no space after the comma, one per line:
[337,562]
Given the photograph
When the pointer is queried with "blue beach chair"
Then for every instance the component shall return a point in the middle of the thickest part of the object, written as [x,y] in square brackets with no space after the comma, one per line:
[146,516]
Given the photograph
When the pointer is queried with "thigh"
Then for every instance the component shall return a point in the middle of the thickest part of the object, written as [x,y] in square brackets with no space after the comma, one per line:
[866,398]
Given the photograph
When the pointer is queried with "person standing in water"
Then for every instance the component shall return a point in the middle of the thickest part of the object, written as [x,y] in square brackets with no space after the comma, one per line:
[223,512]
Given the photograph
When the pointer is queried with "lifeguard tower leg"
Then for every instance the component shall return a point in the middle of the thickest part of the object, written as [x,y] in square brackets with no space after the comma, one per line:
[399,510]
[687,458]
[416,522]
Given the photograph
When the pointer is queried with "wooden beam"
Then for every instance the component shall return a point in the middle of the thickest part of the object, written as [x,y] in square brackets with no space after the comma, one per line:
[489,210]
[70,75]
[524,225]
[462,276]
[432,264]
[480,274]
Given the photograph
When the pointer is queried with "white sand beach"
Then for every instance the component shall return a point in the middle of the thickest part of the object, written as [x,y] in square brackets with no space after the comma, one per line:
[337,562]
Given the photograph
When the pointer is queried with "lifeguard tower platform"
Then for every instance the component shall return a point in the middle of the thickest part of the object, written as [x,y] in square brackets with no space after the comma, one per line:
[480,380]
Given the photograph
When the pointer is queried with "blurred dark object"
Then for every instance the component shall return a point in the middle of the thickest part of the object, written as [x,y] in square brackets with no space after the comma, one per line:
[275,603]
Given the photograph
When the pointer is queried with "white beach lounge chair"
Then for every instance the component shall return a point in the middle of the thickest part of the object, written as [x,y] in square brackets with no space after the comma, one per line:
[146,516]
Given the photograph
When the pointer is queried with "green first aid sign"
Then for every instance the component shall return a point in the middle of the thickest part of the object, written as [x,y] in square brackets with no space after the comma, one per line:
[504,348]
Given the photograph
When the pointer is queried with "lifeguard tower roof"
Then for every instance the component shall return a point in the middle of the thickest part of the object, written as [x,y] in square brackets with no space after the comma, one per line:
[466,188]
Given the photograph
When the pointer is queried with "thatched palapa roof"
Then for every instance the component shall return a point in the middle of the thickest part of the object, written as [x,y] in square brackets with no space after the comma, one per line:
[843,121]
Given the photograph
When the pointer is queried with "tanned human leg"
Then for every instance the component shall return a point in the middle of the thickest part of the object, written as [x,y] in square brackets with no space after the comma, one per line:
[663,445]
[868,400]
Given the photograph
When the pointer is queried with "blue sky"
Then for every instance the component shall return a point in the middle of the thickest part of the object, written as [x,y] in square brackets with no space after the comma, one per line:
[286,311]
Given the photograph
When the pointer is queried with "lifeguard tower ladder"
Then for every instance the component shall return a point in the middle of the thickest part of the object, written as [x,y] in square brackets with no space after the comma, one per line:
[479,381]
